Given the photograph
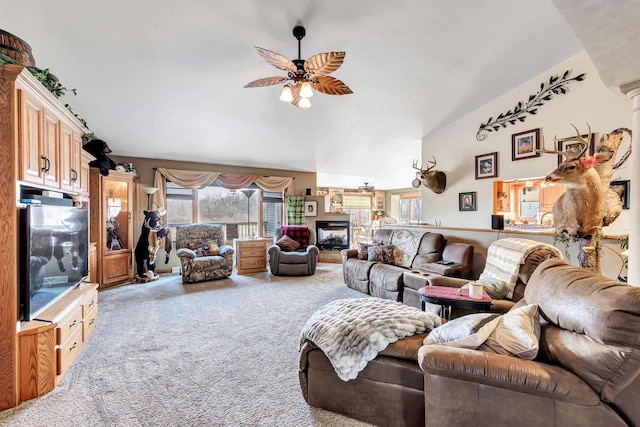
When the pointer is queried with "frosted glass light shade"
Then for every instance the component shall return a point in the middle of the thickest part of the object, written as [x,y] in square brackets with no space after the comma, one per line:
[305,90]
[286,94]
[304,103]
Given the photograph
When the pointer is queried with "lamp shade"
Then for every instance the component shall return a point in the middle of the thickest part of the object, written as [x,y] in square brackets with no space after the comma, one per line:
[286,94]
[304,103]
[305,90]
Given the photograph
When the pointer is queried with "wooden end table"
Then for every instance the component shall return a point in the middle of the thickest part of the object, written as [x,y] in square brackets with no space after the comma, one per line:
[448,297]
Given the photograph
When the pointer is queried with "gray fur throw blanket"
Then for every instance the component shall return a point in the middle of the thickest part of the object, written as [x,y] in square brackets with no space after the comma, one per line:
[351,332]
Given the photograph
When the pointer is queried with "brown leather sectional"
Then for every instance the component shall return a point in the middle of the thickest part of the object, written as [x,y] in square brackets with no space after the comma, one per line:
[586,373]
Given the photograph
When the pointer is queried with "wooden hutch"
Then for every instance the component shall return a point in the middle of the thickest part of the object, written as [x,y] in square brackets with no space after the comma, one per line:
[40,149]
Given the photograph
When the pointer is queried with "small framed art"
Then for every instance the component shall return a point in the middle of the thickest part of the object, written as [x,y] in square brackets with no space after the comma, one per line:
[467,201]
[311,208]
[525,144]
[624,196]
[573,147]
[487,165]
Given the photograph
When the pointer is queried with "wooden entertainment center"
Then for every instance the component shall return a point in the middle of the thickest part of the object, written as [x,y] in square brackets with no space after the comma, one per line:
[40,149]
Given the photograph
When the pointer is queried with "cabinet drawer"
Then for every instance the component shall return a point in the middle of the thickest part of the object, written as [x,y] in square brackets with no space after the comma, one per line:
[253,251]
[68,351]
[260,244]
[90,303]
[89,324]
[68,325]
[251,263]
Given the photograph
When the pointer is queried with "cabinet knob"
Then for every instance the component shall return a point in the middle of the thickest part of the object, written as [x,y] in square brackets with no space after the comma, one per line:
[75,344]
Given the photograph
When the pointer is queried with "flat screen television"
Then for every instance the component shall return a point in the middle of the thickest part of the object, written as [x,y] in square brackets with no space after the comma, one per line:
[54,255]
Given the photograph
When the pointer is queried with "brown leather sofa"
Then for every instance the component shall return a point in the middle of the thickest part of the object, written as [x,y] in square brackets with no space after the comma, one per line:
[385,280]
[586,373]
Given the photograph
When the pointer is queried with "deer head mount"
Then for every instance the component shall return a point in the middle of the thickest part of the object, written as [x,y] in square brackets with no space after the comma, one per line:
[434,180]
[589,202]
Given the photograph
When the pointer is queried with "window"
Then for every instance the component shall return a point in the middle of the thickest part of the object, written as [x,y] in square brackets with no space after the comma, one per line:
[239,211]
[410,208]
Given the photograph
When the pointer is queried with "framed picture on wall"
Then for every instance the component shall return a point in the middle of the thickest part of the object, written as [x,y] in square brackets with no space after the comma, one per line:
[573,148]
[487,165]
[624,196]
[524,144]
[311,208]
[467,201]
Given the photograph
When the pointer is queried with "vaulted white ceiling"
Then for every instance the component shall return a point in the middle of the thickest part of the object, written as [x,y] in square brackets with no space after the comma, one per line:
[164,79]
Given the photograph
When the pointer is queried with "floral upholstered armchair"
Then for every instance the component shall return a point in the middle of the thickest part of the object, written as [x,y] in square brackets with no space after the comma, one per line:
[202,252]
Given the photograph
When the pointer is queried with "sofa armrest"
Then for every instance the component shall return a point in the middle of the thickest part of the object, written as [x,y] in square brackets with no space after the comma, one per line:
[450,282]
[226,251]
[506,372]
[348,253]
[186,253]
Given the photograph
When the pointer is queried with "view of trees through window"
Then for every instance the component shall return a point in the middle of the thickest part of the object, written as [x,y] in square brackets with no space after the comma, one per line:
[410,209]
[232,208]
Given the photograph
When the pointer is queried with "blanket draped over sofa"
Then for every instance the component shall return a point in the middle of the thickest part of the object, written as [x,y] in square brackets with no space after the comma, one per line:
[504,258]
[351,332]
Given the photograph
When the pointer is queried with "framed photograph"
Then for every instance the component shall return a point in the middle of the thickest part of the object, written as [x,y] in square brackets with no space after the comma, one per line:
[625,192]
[574,147]
[487,165]
[311,208]
[467,201]
[524,144]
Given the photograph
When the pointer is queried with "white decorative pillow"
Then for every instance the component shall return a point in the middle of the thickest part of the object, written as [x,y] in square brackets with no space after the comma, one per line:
[468,331]
[517,334]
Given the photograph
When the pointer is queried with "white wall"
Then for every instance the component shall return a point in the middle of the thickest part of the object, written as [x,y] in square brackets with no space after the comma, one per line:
[455,146]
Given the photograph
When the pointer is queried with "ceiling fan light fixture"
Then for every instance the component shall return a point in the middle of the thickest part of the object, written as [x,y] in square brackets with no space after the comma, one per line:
[286,94]
[304,103]
[305,90]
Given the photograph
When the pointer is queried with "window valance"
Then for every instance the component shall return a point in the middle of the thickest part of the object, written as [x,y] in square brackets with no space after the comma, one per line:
[201,179]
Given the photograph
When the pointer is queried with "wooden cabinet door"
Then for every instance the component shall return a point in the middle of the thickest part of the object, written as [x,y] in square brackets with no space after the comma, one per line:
[76,163]
[50,144]
[66,149]
[32,161]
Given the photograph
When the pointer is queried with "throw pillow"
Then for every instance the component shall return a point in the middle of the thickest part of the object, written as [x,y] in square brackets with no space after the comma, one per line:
[210,248]
[363,250]
[468,331]
[381,253]
[287,244]
[517,334]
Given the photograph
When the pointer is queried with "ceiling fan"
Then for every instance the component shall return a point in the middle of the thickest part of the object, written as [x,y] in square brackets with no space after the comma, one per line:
[303,75]
[366,188]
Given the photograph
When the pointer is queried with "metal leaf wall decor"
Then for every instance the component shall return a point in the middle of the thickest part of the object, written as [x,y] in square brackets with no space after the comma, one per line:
[555,86]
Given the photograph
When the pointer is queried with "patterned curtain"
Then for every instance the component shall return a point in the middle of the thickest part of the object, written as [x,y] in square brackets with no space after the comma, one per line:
[295,210]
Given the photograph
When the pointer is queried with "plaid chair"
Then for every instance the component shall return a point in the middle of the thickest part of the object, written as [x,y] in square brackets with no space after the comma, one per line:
[301,262]
[199,262]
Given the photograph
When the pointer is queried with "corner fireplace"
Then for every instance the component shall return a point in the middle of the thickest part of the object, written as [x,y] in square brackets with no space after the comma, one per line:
[332,235]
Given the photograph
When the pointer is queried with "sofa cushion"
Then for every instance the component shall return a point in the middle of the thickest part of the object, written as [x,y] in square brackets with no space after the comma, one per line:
[387,277]
[358,269]
[363,250]
[382,236]
[408,242]
[430,250]
[293,258]
[598,342]
[517,334]
[468,331]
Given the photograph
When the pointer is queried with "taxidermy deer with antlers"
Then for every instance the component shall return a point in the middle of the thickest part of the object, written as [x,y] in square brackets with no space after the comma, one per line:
[589,202]
[434,180]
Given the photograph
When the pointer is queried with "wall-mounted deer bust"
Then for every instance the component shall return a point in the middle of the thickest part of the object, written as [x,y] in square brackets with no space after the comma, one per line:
[578,212]
[434,180]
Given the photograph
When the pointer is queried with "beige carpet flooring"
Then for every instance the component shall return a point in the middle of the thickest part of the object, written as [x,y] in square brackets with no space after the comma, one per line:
[219,353]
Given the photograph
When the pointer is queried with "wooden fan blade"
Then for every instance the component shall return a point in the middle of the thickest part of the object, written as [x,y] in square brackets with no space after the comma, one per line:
[267,81]
[324,63]
[295,91]
[277,60]
[329,85]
